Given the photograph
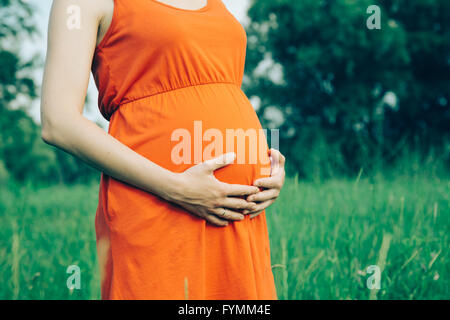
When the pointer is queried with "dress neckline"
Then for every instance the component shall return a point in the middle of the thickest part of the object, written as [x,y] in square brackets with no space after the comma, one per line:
[202,9]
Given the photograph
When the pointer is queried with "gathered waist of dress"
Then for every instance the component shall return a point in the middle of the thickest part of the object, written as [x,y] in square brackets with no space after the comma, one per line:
[144,95]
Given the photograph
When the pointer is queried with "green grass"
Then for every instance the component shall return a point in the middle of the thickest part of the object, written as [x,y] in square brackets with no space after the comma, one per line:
[323,238]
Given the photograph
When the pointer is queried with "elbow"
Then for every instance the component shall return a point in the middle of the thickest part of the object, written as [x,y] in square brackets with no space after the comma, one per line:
[56,128]
[47,131]
[56,131]
[45,126]
[46,136]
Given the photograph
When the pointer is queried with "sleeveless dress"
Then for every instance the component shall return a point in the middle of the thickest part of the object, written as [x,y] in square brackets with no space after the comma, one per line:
[164,73]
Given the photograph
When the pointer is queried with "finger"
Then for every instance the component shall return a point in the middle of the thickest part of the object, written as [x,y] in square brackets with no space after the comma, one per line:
[253,215]
[274,161]
[215,220]
[276,154]
[268,183]
[278,174]
[265,195]
[239,189]
[223,213]
[220,161]
[277,161]
[237,203]
[282,160]
[261,208]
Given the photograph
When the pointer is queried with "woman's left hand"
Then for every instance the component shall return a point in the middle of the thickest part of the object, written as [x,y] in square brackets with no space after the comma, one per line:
[271,185]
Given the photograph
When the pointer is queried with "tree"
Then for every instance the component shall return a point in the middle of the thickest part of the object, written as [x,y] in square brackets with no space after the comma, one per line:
[23,154]
[351,96]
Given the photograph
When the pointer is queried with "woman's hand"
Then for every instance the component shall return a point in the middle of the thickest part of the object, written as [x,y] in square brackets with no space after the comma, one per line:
[202,194]
[271,185]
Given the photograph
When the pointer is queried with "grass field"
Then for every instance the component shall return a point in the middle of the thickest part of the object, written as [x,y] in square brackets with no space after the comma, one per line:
[323,238]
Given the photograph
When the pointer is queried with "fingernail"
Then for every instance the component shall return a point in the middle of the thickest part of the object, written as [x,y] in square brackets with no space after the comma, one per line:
[245,211]
[241,217]
[230,156]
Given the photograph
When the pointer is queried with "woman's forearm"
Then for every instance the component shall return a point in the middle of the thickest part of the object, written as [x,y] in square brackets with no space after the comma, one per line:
[84,139]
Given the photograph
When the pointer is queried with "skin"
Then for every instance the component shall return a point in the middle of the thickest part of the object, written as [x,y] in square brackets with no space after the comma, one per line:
[66,76]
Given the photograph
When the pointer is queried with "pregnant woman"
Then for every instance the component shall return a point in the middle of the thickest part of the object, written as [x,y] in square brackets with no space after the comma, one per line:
[179,216]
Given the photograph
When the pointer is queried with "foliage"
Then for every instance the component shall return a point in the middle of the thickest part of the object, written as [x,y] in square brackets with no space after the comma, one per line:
[23,154]
[363,95]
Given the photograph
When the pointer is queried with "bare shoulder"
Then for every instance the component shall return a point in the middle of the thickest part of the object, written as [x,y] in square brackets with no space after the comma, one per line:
[87,16]
[86,9]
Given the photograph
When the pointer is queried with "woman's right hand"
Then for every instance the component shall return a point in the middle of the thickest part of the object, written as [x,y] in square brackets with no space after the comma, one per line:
[203,195]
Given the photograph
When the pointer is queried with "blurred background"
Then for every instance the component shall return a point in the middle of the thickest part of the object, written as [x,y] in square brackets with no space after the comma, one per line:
[364,122]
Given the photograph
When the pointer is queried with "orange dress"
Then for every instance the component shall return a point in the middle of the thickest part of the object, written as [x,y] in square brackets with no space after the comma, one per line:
[166,73]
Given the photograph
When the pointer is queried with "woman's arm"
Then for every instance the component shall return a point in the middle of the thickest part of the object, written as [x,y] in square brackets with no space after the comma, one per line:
[65,82]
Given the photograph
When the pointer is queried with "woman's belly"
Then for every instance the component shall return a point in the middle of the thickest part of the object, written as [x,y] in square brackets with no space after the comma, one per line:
[183,127]
[176,130]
